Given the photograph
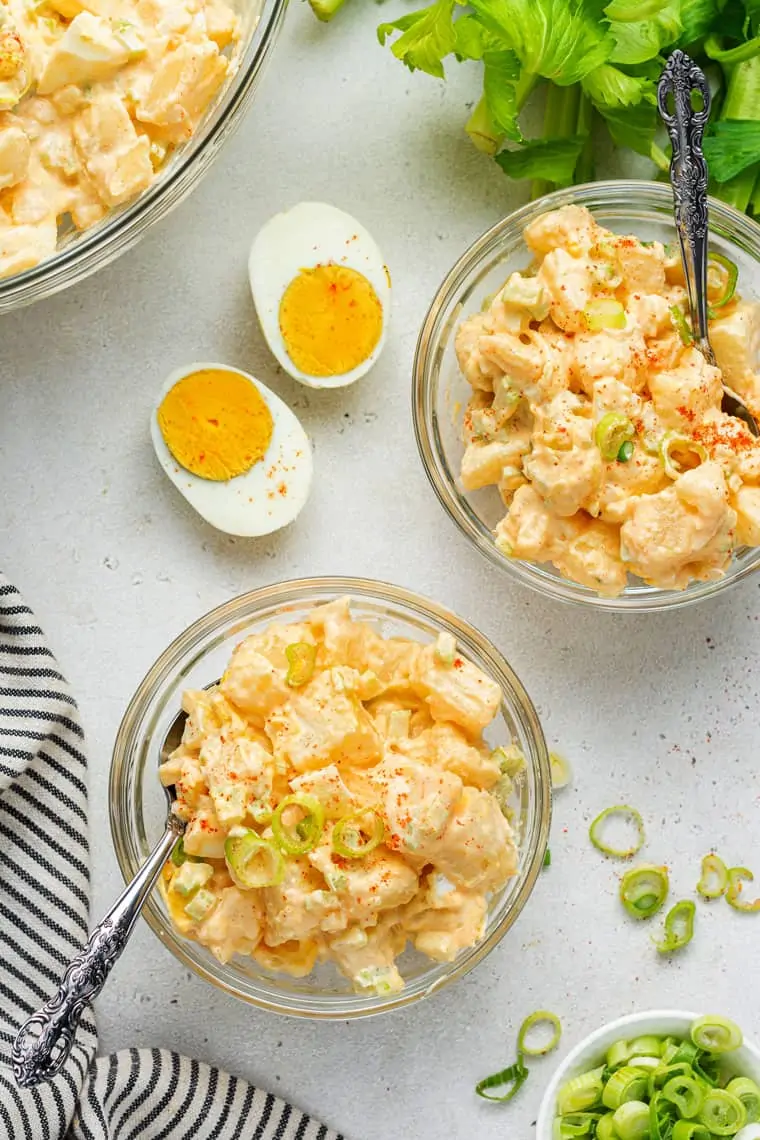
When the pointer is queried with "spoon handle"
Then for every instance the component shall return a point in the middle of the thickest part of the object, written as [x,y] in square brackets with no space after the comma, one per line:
[44,1041]
[680,81]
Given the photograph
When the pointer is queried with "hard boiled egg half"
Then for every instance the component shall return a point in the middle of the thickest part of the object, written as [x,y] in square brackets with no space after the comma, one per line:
[322,294]
[233,449]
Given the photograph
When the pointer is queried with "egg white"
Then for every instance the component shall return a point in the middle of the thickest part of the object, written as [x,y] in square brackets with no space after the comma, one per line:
[310,234]
[252,504]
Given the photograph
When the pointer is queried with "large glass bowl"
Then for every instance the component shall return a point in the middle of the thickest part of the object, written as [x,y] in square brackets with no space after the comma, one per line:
[82,253]
[198,656]
[441,392]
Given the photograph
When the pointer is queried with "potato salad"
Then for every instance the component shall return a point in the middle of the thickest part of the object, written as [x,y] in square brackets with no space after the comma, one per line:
[94,94]
[599,420]
[340,802]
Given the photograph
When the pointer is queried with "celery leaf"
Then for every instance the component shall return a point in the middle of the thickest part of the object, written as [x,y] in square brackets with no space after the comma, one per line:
[428,36]
[637,38]
[551,159]
[608,86]
[732,146]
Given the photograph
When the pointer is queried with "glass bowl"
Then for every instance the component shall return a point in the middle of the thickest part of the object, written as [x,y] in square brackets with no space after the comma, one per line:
[198,656]
[440,391]
[80,254]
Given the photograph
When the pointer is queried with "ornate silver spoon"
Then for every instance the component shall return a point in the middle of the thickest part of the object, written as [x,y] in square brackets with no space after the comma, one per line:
[680,82]
[45,1040]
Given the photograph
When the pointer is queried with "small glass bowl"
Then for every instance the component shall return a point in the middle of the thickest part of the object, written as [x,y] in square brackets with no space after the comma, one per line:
[198,656]
[441,392]
[80,254]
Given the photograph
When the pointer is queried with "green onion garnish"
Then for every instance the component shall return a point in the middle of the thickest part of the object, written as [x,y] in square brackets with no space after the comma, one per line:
[348,834]
[644,889]
[714,879]
[625,812]
[178,855]
[679,927]
[681,325]
[561,771]
[626,451]
[737,876]
[547,858]
[252,861]
[514,1075]
[303,835]
[716,1034]
[540,1017]
[732,276]
[613,430]
[660,1088]
[301,657]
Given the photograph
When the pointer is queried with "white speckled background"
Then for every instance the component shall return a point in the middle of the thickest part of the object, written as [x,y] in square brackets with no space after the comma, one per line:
[660,711]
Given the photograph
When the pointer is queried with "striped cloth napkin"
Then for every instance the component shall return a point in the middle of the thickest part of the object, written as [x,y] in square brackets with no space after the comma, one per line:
[150,1094]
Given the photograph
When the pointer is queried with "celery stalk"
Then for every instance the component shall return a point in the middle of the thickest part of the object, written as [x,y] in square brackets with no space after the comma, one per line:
[584,171]
[560,121]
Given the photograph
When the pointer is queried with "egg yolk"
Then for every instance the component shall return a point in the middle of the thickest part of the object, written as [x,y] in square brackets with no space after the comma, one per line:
[216,424]
[330,319]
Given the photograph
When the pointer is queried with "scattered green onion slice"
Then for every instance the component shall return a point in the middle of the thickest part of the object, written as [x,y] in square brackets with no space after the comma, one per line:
[301,657]
[748,1093]
[604,313]
[716,1034]
[612,431]
[644,889]
[582,1092]
[732,272]
[539,1017]
[626,451]
[679,927]
[562,773]
[631,1120]
[714,878]
[547,858]
[514,1075]
[680,324]
[678,453]
[722,1113]
[625,1084]
[625,812]
[689,1130]
[253,861]
[347,834]
[736,877]
[303,835]
[685,1093]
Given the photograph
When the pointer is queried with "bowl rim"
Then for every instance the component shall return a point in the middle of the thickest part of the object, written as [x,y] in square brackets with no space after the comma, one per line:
[123,227]
[303,591]
[642,195]
[592,1043]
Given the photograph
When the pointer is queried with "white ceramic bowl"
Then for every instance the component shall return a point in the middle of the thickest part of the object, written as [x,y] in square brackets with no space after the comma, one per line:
[590,1052]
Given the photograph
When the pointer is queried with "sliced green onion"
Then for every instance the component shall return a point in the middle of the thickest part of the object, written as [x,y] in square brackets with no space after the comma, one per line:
[689,1130]
[515,1076]
[626,451]
[304,835]
[625,1084]
[561,771]
[540,1017]
[627,813]
[732,277]
[180,856]
[662,1116]
[631,1120]
[582,1092]
[252,861]
[576,1124]
[665,1073]
[348,832]
[736,877]
[547,858]
[644,889]
[679,927]
[301,657]
[618,1054]
[646,1046]
[681,325]
[678,453]
[604,313]
[714,878]
[605,1129]
[722,1113]
[686,1053]
[612,431]
[748,1093]
[716,1034]
[685,1093]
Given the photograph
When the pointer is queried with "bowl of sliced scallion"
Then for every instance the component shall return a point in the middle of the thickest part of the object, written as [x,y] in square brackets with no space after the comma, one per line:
[659,1075]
